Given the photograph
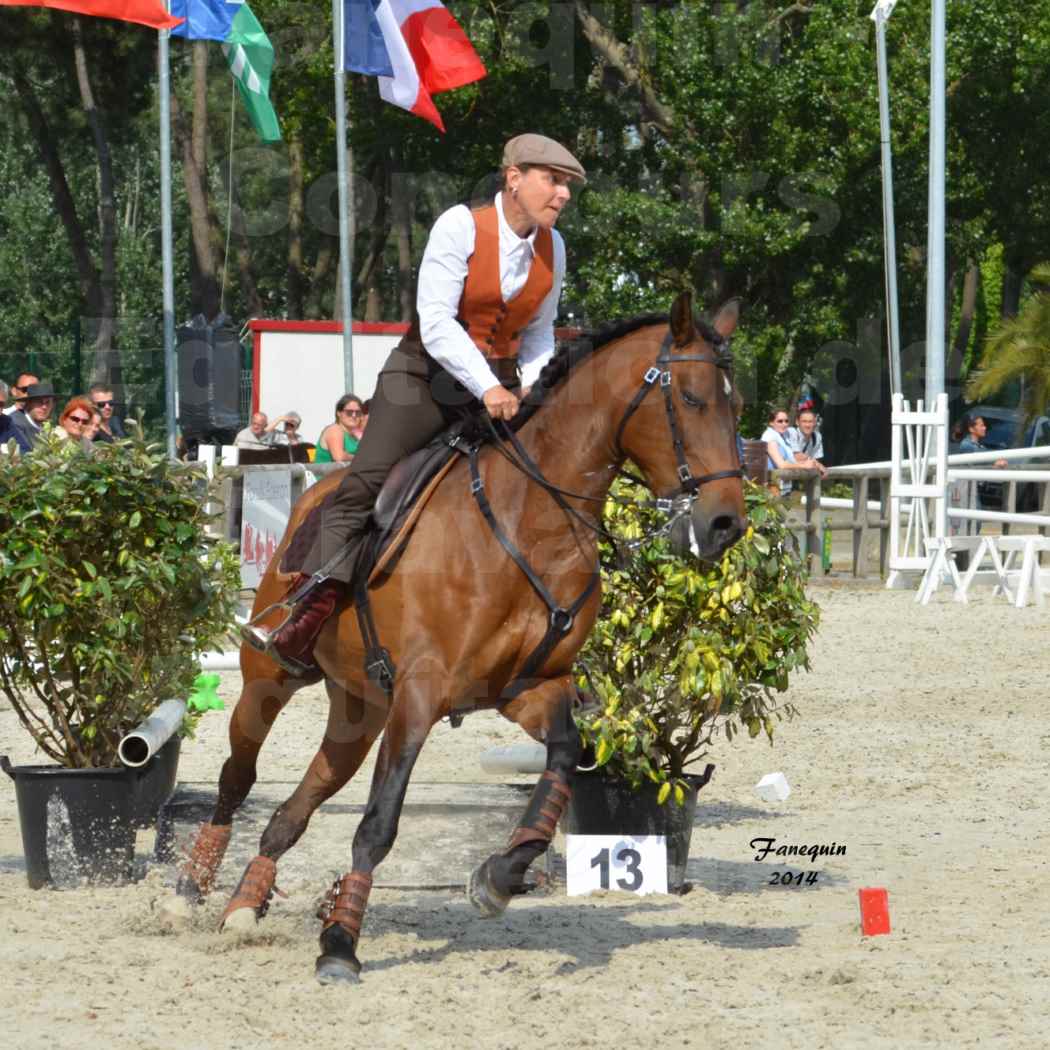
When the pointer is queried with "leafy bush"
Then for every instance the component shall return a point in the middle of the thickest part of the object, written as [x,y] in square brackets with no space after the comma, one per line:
[683,651]
[109,591]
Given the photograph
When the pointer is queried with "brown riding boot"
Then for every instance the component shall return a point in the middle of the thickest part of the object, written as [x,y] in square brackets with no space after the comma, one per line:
[292,644]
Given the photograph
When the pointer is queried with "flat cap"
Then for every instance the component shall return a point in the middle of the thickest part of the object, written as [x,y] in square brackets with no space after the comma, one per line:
[538,149]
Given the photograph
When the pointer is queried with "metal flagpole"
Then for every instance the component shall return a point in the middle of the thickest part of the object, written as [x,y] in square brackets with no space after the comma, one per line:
[166,253]
[880,15]
[346,246]
[935,242]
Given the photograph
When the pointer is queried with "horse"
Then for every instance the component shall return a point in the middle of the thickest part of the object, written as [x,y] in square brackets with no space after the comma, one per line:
[494,593]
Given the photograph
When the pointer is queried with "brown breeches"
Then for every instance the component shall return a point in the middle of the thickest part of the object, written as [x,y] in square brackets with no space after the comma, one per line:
[413,403]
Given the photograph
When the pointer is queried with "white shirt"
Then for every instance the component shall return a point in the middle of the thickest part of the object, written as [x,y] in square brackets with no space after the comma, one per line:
[442,274]
[798,442]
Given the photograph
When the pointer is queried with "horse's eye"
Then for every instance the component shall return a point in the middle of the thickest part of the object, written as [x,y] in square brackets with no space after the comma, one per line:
[692,400]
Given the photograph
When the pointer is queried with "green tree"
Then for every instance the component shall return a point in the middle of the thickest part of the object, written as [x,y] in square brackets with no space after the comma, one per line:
[1019,349]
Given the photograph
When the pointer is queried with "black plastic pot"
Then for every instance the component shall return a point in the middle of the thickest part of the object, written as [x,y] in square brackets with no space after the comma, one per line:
[603,805]
[78,825]
[156,782]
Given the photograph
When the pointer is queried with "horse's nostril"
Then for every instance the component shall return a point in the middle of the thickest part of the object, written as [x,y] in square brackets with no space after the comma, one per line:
[726,525]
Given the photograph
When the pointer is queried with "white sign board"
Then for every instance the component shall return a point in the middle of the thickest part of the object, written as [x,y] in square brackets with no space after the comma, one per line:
[630,863]
[267,507]
[298,366]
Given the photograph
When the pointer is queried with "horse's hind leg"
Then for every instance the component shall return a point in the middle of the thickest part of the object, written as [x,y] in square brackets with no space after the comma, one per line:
[410,722]
[544,712]
[265,691]
[353,726]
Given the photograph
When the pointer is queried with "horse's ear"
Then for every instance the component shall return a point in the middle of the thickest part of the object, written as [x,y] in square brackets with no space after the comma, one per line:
[726,318]
[682,328]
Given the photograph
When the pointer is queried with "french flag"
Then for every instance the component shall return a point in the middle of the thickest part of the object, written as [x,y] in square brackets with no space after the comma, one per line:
[415,47]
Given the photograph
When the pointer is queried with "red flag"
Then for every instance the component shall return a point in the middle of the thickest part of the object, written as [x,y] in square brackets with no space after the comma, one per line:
[145,12]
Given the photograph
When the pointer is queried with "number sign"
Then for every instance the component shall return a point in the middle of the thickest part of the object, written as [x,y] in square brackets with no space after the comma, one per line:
[630,863]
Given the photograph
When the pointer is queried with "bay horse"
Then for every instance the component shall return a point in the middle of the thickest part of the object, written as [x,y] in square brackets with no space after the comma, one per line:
[461,614]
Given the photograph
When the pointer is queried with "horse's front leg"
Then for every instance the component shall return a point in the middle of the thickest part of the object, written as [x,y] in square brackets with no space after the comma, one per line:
[353,726]
[545,713]
[343,911]
[266,690]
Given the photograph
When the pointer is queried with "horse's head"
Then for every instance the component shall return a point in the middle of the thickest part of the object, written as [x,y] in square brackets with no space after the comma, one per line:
[680,428]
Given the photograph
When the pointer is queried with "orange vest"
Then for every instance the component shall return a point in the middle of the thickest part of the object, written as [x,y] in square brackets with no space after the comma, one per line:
[495,326]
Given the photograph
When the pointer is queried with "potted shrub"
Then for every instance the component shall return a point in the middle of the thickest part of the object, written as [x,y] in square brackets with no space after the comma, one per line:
[109,592]
[681,653]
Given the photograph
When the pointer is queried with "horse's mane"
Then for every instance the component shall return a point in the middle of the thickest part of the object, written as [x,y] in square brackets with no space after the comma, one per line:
[571,354]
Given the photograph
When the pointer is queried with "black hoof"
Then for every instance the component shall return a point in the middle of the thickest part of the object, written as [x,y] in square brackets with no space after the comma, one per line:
[481,894]
[189,891]
[331,969]
[338,962]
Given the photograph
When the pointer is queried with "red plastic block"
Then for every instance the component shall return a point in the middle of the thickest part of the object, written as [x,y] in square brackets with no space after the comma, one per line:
[874,911]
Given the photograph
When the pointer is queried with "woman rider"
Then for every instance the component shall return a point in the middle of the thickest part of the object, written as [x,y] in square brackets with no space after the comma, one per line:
[488,292]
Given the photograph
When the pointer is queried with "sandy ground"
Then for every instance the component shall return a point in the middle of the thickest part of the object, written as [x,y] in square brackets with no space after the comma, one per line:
[923,747]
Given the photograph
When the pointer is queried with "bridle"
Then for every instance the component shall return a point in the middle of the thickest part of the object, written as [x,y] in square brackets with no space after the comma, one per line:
[721,360]
[675,503]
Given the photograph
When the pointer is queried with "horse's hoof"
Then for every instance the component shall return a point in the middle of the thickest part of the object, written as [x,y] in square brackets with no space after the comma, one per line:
[480,893]
[176,910]
[240,920]
[332,969]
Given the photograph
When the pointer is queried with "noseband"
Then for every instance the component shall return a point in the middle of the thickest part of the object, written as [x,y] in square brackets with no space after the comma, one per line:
[689,483]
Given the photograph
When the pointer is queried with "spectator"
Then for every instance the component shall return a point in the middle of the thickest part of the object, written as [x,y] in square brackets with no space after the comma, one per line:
[257,434]
[18,388]
[339,440]
[288,434]
[970,431]
[804,439]
[7,430]
[112,427]
[779,454]
[74,420]
[92,429]
[366,407]
[38,405]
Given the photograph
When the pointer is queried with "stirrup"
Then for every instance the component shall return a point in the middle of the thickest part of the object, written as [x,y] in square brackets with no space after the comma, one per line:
[287,603]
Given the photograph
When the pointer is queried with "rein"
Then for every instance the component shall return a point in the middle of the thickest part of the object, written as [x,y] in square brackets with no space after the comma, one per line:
[676,503]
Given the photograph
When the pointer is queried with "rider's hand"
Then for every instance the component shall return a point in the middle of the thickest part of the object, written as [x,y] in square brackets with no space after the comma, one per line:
[500,402]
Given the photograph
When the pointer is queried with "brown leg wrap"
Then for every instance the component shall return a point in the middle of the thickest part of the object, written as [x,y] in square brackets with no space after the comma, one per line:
[255,889]
[546,806]
[345,903]
[204,859]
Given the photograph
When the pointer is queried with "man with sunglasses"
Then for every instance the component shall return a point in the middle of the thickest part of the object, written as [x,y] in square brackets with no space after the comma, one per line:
[17,397]
[111,429]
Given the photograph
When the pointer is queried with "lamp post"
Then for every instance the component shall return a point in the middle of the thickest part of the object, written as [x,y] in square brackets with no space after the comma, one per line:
[880,16]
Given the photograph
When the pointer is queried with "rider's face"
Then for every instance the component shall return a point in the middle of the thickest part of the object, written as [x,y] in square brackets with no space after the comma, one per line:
[539,194]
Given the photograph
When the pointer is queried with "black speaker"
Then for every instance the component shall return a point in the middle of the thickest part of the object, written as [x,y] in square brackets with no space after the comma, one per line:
[209,368]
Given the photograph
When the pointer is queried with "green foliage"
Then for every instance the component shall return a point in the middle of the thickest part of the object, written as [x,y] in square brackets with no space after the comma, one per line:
[1019,348]
[109,591]
[682,651]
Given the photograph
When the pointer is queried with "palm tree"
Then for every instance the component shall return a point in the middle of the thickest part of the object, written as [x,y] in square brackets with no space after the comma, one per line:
[1020,349]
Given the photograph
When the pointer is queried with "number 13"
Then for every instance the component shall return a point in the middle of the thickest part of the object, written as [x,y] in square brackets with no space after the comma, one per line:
[630,858]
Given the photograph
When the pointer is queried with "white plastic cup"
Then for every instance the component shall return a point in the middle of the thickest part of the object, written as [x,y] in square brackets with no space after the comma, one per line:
[773,787]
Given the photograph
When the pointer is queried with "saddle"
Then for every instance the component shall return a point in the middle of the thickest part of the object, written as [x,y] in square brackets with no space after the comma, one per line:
[401,500]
